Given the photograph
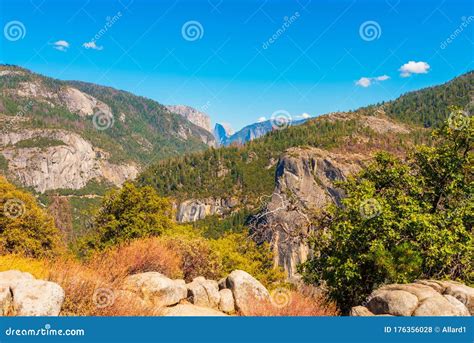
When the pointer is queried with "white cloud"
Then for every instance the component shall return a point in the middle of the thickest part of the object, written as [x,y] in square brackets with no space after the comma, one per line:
[364,82]
[368,81]
[92,45]
[304,116]
[261,119]
[61,45]
[413,67]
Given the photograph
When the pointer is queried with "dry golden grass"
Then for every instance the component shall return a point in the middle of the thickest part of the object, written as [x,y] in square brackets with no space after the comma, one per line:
[140,256]
[285,302]
[88,293]
[93,287]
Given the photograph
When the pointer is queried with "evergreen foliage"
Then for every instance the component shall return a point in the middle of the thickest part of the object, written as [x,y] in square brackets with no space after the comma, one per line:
[25,228]
[401,220]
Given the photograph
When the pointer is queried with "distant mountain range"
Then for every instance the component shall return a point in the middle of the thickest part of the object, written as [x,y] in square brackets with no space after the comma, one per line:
[248,171]
[248,133]
[223,133]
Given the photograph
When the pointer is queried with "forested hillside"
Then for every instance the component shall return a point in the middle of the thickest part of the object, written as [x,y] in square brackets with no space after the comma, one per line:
[248,171]
[430,106]
[131,128]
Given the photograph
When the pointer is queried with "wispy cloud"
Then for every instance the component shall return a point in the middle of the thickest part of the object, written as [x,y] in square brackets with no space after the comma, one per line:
[61,45]
[368,81]
[92,45]
[413,67]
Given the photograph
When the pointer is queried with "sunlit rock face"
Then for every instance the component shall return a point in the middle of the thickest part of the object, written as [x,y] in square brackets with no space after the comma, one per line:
[304,186]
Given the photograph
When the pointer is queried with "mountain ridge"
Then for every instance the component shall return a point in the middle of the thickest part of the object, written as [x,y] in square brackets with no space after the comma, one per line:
[247,171]
[112,127]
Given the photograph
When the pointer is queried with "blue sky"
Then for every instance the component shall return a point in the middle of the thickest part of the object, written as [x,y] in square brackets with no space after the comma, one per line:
[322,60]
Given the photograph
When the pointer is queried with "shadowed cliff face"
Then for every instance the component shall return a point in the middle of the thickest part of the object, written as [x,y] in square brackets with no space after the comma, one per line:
[304,186]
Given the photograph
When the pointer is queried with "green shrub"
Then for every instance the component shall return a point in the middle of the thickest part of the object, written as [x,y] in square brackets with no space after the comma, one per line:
[401,220]
[126,214]
[25,228]
[216,258]
[238,251]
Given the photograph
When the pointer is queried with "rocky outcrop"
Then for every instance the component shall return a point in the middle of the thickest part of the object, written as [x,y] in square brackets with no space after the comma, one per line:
[196,209]
[360,311]
[83,104]
[378,122]
[226,301]
[423,298]
[193,115]
[23,295]
[304,186]
[67,162]
[248,292]
[238,292]
[204,292]
[155,288]
[137,129]
[37,298]
[73,99]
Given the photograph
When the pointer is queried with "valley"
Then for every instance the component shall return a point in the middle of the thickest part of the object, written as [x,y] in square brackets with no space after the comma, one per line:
[112,173]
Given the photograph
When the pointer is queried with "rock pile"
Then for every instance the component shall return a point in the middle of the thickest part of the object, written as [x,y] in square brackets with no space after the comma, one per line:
[23,295]
[237,292]
[423,298]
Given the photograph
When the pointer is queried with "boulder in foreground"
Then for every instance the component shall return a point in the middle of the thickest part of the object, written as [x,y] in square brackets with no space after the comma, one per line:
[156,288]
[23,295]
[422,298]
[248,292]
